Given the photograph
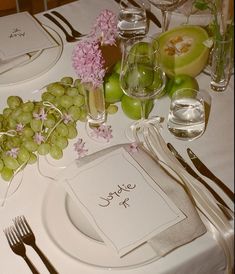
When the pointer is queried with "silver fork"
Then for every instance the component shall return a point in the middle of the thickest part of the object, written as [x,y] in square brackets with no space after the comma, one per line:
[27,236]
[18,247]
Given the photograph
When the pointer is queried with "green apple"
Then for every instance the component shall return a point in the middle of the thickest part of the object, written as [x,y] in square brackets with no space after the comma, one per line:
[132,107]
[112,89]
[117,67]
[179,82]
[141,76]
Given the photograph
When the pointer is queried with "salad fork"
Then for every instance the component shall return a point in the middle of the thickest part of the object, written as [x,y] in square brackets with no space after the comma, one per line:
[27,236]
[18,247]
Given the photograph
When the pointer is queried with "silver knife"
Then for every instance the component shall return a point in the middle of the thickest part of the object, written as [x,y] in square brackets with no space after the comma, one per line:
[221,203]
[206,172]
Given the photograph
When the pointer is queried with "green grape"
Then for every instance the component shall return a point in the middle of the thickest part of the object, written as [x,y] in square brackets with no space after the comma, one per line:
[14,101]
[25,118]
[61,142]
[36,125]
[72,91]
[56,89]
[62,130]
[47,96]
[1,165]
[43,149]
[67,80]
[111,109]
[27,132]
[13,142]
[77,83]
[1,118]
[79,100]
[6,112]
[66,101]
[32,159]
[28,106]
[30,145]
[83,116]
[72,132]
[23,155]
[16,113]
[12,123]
[56,152]
[75,112]
[7,173]
[11,162]
[50,121]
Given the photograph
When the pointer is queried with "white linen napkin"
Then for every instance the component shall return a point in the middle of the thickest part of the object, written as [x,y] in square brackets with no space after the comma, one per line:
[173,236]
[20,34]
[8,64]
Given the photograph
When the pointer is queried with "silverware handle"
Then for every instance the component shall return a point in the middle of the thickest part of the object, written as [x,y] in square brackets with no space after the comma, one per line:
[48,16]
[226,190]
[46,262]
[31,266]
[62,18]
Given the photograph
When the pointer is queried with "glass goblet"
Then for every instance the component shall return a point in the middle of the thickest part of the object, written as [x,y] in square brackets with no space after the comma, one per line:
[141,76]
[166,6]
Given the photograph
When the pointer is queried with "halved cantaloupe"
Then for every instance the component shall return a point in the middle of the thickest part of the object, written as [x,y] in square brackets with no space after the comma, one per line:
[182,50]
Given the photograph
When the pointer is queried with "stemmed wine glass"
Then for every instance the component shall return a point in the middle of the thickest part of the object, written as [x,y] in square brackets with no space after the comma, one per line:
[141,76]
[166,6]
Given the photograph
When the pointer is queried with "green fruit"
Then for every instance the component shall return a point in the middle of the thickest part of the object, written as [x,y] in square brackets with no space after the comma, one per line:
[141,76]
[182,50]
[112,89]
[139,52]
[117,67]
[132,107]
[179,82]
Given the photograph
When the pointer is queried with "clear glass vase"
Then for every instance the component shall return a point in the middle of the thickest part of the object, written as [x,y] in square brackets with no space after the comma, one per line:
[221,64]
[95,102]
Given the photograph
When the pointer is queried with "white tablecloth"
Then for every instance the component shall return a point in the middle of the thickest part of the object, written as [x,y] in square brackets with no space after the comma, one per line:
[215,147]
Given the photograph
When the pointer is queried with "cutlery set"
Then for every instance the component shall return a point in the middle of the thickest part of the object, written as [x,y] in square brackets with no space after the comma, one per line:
[21,233]
[75,35]
[206,172]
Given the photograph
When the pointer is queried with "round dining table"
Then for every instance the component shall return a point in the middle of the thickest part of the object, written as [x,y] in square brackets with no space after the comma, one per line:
[215,147]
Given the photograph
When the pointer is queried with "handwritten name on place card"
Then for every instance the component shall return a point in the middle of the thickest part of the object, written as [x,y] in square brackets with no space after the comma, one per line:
[20,34]
[121,201]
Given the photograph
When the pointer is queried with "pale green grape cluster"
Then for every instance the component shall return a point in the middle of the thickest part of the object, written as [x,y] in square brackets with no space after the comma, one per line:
[32,128]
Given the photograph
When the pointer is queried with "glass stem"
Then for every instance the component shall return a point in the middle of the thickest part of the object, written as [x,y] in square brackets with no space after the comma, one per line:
[143,109]
[164,20]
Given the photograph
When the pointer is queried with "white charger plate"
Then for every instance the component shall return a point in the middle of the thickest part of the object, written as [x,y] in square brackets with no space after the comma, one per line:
[71,232]
[37,65]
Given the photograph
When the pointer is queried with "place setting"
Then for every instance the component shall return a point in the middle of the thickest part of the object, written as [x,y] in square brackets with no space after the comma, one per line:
[38,49]
[118,145]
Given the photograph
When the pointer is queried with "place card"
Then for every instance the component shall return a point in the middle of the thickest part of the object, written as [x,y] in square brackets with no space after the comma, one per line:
[21,33]
[124,205]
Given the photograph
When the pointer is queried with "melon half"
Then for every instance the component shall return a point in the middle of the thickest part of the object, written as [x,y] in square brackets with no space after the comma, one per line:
[182,50]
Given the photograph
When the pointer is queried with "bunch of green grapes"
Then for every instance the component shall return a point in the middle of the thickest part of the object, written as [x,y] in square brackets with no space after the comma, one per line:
[42,127]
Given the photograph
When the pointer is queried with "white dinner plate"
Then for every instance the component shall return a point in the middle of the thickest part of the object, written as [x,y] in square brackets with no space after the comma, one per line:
[40,63]
[70,231]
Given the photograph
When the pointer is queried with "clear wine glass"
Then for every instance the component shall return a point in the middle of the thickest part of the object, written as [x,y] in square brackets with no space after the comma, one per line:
[166,6]
[141,76]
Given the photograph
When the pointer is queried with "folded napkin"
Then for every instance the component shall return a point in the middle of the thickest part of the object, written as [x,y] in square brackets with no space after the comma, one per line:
[20,34]
[175,235]
[8,64]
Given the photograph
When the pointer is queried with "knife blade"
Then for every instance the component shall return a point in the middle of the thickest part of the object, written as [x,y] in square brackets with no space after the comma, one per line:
[204,170]
[149,14]
[188,168]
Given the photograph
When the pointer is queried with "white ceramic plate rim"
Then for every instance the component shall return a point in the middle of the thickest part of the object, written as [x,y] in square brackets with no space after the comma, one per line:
[36,66]
[80,247]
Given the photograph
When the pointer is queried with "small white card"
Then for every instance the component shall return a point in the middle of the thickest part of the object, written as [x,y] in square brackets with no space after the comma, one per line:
[20,34]
[121,201]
